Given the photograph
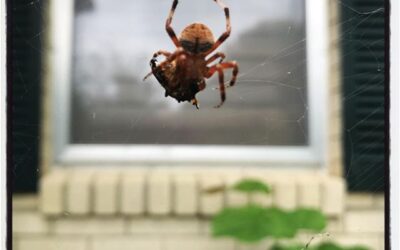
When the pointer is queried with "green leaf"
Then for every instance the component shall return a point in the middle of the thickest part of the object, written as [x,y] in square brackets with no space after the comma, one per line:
[311,219]
[322,246]
[288,247]
[334,246]
[252,185]
[252,223]
[329,246]
[244,223]
[280,224]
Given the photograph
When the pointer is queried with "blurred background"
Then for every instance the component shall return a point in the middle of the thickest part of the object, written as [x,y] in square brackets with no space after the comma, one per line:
[109,104]
[114,41]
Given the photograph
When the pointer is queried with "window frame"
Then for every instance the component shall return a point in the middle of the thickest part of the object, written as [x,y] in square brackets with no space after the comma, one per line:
[312,155]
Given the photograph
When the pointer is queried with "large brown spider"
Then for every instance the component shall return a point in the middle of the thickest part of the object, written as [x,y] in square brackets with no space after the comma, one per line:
[183,72]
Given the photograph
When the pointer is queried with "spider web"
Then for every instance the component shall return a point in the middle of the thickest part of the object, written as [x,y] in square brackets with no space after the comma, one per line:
[247,76]
[257,92]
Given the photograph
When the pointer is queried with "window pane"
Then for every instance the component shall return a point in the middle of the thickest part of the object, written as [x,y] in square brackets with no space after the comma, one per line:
[114,41]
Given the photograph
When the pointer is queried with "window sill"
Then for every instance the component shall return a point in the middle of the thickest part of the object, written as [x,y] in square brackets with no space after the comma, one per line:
[178,192]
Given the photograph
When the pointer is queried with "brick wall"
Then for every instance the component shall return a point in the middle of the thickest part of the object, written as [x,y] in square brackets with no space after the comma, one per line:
[335,157]
[361,222]
[169,192]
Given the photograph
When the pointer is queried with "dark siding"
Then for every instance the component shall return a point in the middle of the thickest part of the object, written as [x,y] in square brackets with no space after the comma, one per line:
[26,37]
[364,88]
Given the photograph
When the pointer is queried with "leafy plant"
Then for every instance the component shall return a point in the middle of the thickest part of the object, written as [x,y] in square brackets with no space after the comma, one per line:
[253,222]
[322,246]
[252,186]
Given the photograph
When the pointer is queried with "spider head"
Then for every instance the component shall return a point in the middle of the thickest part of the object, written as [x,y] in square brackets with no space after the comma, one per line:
[196,38]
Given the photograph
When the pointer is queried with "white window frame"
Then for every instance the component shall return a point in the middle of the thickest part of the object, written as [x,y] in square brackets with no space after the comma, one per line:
[313,155]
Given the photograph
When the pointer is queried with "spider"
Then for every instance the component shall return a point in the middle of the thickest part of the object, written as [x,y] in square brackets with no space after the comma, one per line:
[183,72]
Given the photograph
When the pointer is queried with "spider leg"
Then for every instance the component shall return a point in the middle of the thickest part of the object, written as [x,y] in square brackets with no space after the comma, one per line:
[235,71]
[169,59]
[168,27]
[152,65]
[215,57]
[226,34]
[173,56]
[195,103]
[147,76]
[201,85]
[221,85]
[162,52]
[226,65]
[218,68]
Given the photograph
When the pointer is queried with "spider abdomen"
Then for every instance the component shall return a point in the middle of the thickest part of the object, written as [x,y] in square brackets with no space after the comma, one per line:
[197,38]
[176,82]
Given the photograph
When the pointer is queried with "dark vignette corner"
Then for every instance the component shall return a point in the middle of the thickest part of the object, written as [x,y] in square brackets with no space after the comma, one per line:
[387,125]
[9,99]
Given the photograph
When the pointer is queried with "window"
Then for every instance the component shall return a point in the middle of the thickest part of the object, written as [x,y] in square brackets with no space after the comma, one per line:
[105,112]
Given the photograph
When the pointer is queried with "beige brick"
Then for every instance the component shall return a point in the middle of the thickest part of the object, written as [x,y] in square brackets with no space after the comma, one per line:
[205,227]
[335,89]
[52,243]
[198,243]
[52,192]
[379,201]
[334,144]
[334,56]
[335,225]
[335,110]
[29,223]
[285,193]
[22,202]
[335,154]
[159,194]
[359,200]
[333,195]
[335,167]
[367,240]
[15,242]
[210,203]
[125,243]
[335,78]
[365,221]
[186,195]
[234,198]
[161,226]
[309,192]
[133,193]
[263,245]
[145,225]
[335,129]
[381,240]
[79,192]
[262,199]
[106,192]
[312,238]
[95,225]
